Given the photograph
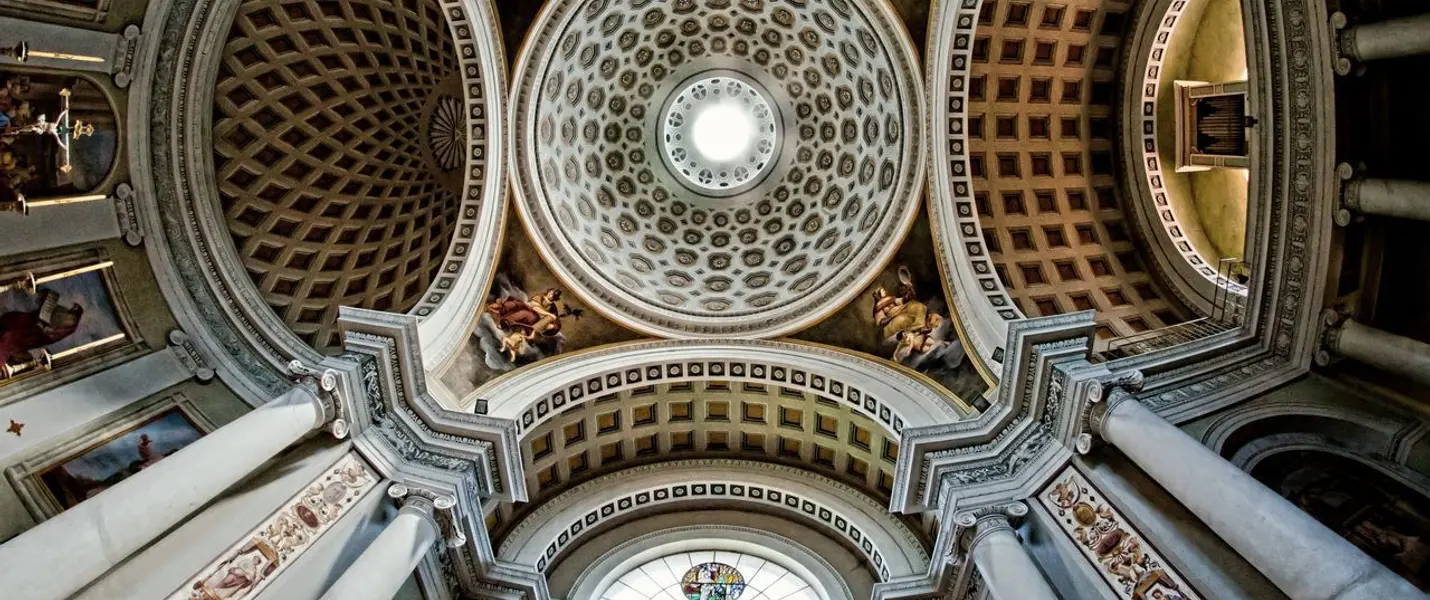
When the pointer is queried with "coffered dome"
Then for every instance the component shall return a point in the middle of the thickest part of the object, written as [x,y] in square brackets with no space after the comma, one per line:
[717,168]
[340,139]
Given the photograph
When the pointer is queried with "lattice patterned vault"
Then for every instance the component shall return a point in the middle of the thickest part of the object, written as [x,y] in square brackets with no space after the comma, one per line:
[340,139]
[717,168]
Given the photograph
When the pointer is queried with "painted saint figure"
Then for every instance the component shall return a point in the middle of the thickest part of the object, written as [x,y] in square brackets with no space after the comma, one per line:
[518,329]
[22,332]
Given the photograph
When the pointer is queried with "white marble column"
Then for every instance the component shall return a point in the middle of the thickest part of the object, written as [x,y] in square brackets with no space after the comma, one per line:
[1399,198]
[1395,354]
[390,559]
[1396,38]
[1005,566]
[59,557]
[1303,558]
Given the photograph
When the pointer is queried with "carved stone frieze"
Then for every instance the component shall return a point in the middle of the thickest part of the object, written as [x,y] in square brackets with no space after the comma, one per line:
[1130,566]
[267,551]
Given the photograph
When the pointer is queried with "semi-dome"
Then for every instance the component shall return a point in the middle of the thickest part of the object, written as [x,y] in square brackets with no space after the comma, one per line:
[340,144]
[717,168]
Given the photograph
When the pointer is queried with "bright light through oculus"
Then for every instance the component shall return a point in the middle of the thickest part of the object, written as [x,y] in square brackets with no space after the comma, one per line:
[722,132]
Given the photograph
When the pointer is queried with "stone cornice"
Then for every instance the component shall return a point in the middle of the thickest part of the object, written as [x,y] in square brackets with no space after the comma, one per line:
[1007,448]
[456,460]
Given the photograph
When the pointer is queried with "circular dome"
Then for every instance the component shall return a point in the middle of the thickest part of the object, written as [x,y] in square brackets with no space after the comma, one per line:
[735,168]
[339,146]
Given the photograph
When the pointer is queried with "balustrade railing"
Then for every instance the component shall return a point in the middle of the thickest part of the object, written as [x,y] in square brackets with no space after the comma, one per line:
[1227,312]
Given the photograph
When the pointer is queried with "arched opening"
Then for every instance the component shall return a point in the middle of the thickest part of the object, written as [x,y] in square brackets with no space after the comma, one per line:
[712,575]
[1380,515]
[58,136]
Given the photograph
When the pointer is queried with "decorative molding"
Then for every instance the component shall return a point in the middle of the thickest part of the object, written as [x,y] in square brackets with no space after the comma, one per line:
[1253,452]
[971,526]
[189,354]
[878,390]
[1330,337]
[756,484]
[194,261]
[59,371]
[981,303]
[329,397]
[62,9]
[1116,390]
[443,511]
[664,542]
[1288,44]
[1193,278]
[126,48]
[835,250]
[270,548]
[1008,451]
[127,210]
[1130,566]
[431,451]
[1343,46]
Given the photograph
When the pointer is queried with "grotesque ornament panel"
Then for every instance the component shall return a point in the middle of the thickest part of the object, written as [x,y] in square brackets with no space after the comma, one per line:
[800,231]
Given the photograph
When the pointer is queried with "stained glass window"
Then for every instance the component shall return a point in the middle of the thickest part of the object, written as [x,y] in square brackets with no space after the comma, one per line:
[710,575]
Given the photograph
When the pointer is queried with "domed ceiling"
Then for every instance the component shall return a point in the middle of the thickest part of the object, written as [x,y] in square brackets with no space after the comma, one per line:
[339,145]
[717,168]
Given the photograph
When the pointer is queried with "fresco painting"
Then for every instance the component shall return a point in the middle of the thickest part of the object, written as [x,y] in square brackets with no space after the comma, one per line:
[80,477]
[59,317]
[529,315]
[904,317]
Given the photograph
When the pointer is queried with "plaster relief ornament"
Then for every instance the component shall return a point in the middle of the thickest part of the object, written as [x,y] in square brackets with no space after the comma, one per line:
[247,568]
[1134,570]
[717,169]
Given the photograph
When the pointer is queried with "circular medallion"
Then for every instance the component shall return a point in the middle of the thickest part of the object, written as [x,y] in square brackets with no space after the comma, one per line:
[717,169]
[712,581]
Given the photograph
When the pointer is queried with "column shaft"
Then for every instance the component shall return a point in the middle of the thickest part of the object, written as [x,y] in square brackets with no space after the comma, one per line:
[1298,554]
[1383,350]
[390,559]
[1398,198]
[59,557]
[1004,565]
[1395,38]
